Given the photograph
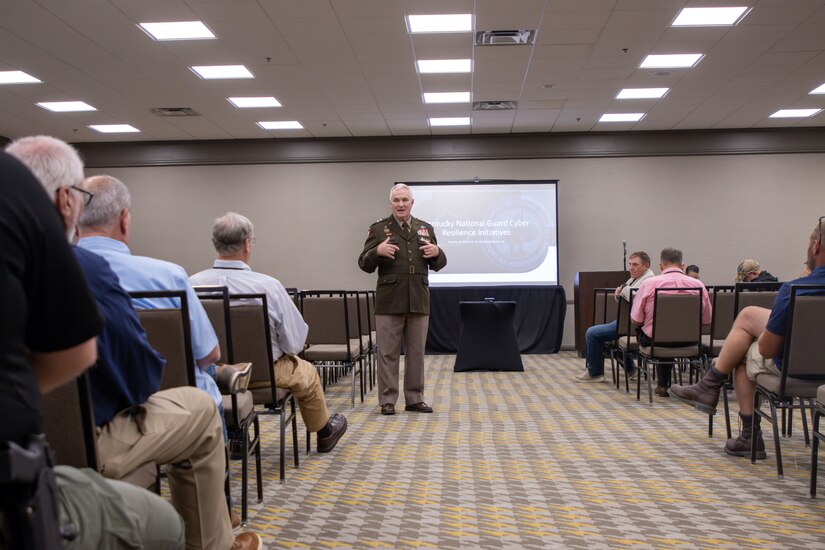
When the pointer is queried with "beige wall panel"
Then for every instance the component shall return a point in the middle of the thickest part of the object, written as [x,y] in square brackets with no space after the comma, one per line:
[311,219]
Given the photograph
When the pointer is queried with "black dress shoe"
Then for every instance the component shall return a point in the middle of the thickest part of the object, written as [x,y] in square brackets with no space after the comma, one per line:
[388,408]
[419,408]
[337,425]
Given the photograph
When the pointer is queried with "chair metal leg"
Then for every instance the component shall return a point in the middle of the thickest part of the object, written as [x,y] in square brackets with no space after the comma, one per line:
[244,471]
[294,432]
[258,459]
[282,446]
[803,414]
[815,452]
[727,410]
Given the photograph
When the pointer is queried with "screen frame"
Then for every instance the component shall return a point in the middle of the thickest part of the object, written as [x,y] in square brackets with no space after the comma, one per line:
[477,181]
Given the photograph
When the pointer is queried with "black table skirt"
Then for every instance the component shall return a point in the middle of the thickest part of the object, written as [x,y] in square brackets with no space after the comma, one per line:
[488,337]
[539,315]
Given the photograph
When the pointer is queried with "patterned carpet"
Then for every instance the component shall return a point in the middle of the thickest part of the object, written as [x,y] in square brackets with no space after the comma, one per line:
[532,460]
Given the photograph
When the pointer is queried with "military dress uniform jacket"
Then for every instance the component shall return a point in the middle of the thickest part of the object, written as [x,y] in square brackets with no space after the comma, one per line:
[403,284]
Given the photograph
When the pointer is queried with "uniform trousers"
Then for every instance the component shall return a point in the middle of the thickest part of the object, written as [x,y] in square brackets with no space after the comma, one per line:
[389,331]
[301,378]
[180,428]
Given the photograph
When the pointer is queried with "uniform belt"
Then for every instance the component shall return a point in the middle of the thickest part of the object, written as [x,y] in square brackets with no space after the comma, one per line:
[411,270]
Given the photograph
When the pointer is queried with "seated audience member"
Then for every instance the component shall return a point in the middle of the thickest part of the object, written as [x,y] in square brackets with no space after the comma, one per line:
[670,265]
[105,229]
[692,271]
[598,335]
[178,427]
[48,325]
[232,237]
[749,271]
[754,345]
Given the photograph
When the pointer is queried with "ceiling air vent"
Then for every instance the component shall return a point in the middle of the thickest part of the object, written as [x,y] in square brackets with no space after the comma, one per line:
[505,38]
[174,111]
[494,105]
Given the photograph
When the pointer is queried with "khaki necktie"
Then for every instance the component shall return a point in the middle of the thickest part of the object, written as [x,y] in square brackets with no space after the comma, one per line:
[405,229]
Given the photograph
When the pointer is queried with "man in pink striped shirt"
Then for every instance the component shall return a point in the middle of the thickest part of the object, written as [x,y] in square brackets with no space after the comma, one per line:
[672,276]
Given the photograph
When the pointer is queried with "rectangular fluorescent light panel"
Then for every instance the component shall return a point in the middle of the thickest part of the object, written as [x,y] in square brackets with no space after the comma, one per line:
[177,30]
[456,22]
[113,128]
[642,93]
[671,61]
[222,71]
[447,97]
[450,121]
[66,106]
[795,113]
[820,90]
[17,77]
[247,102]
[621,117]
[280,125]
[426,66]
[707,17]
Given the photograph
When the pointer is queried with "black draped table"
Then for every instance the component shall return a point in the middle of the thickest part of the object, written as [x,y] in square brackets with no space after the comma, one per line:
[488,337]
[539,315]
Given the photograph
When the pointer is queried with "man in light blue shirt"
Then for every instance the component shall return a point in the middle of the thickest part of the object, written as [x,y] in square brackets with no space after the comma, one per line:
[105,230]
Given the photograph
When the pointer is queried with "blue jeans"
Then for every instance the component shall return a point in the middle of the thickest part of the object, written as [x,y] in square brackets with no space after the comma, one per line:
[597,336]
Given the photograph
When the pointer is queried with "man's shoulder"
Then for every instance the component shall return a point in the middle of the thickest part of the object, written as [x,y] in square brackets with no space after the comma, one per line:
[381,221]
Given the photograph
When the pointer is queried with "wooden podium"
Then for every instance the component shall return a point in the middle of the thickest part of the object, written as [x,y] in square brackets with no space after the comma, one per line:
[583,286]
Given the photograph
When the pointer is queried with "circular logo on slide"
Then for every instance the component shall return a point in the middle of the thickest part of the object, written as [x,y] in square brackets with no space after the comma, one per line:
[524,234]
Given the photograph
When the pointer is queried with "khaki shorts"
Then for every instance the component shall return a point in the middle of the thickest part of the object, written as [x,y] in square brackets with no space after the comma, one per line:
[756,364]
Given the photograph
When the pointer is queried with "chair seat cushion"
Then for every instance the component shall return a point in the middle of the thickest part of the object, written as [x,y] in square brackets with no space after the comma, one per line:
[670,353]
[632,346]
[794,387]
[245,406]
[330,352]
[717,345]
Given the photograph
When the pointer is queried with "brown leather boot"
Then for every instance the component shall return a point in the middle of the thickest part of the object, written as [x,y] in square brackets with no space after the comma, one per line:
[741,446]
[704,395]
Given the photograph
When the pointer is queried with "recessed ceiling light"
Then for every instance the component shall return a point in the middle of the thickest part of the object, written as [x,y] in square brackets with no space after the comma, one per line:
[450,121]
[642,93]
[177,30]
[113,128]
[17,77]
[447,97]
[671,61]
[222,71]
[820,90]
[426,66]
[795,113]
[705,17]
[247,102]
[621,117]
[66,106]
[455,22]
[280,125]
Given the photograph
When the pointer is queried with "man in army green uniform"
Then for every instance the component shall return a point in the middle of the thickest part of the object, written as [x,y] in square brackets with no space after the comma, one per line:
[403,249]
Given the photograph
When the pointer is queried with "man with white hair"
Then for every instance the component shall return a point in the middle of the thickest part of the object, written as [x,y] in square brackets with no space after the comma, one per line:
[403,249]
[232,237]
[179,427]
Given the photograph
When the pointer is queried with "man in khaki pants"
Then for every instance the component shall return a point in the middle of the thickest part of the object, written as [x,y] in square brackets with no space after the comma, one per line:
[232,237]
[403,249]
[136,424]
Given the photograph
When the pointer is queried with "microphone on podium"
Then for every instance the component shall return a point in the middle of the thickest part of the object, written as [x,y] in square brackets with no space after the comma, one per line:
[624,256]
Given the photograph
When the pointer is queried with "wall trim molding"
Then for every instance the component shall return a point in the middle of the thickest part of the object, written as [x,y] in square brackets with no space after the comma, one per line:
[472,147]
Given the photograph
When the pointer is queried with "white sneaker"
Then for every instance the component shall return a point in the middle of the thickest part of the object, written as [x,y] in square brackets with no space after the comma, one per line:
[586,377]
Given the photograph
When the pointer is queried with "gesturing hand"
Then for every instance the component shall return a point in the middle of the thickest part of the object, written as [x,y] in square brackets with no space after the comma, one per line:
[429,250]
[387,249]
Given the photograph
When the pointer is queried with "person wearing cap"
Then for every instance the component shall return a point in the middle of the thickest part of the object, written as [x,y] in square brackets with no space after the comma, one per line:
[750,271]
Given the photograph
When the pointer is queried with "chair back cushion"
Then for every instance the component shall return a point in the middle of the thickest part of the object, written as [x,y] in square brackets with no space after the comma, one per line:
[677,317]
[68,423]
[166,333]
